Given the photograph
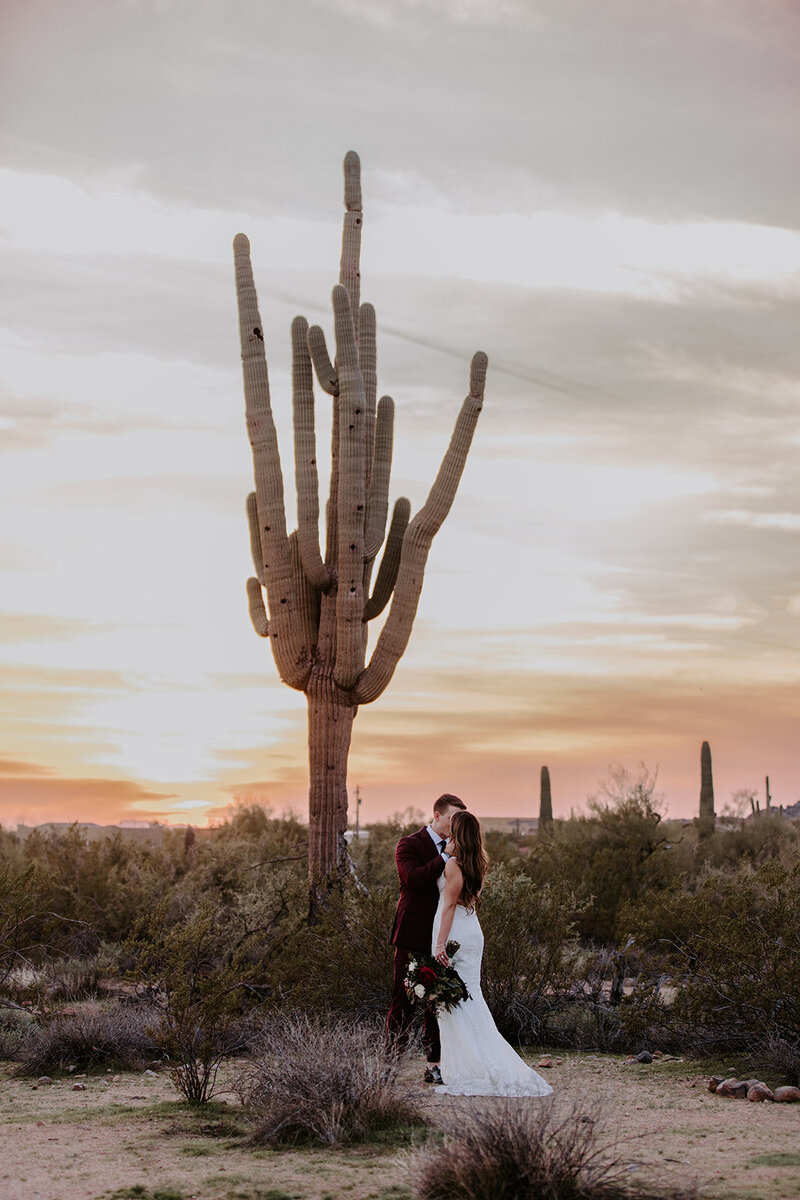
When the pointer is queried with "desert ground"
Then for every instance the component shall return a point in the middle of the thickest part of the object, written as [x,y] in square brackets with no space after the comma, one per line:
[127,1136]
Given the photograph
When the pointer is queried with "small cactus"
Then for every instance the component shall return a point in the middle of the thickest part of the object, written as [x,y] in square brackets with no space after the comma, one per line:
[707,819]
[545,801]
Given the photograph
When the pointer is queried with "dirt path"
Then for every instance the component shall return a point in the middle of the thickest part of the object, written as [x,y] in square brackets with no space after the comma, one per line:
[130,1138]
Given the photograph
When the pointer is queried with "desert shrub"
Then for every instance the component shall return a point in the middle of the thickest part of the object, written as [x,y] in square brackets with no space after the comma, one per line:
[530,950]
[343,961]
[72,979]
[107,1035]
[611,855]
[586,1025]
[26,928]
[765,837]
[251,850]
[200,987]
[732,948]
[782,1055]
[98,887]
[14,1028]
[324,1082]
[591,1017]
[514,1151]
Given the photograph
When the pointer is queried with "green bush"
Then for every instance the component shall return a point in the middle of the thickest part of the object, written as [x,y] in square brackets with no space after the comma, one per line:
[25,928]
[732,948]
[620,849]
[343,961]
[201,989]
[530,950]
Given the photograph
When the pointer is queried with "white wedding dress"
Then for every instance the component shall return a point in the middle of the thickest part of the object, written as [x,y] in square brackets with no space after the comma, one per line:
[476,1058]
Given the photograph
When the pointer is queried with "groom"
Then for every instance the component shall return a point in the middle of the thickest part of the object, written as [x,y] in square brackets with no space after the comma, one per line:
[421,858]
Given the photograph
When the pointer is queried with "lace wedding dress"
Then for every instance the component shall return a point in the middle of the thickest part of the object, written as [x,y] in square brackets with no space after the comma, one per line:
[476,1058]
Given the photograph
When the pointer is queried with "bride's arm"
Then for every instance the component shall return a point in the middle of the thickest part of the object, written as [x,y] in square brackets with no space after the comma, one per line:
[454,882]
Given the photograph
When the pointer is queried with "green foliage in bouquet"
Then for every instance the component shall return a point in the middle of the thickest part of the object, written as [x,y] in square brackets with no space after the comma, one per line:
[430,982]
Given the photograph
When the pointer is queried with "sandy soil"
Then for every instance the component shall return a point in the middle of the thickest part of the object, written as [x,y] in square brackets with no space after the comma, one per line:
[130,1137]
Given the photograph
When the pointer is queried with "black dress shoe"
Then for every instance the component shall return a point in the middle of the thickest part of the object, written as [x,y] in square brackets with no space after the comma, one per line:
[433,1074]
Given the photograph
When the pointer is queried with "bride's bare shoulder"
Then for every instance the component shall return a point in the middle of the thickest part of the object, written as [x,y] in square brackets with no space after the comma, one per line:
[451,869]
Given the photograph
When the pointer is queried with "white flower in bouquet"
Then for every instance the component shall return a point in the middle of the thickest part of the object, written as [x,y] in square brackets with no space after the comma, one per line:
[419,990]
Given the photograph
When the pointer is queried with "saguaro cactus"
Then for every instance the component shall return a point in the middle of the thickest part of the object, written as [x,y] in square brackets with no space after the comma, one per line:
[545,801]
[318,608]
[706,819]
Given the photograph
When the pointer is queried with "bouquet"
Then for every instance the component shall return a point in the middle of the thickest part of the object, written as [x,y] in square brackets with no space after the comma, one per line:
[428,982]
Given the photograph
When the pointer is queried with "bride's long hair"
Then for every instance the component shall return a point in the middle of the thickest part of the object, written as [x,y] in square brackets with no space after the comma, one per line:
[470,854]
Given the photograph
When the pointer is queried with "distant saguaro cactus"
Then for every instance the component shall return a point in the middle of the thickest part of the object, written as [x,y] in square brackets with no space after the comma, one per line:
[707,819]
[545,800]
[318,608]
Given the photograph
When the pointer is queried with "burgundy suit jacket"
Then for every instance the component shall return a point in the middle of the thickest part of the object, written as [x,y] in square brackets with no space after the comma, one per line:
[419,866]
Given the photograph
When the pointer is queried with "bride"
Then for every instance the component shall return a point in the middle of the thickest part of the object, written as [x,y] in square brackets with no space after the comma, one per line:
[476,1058]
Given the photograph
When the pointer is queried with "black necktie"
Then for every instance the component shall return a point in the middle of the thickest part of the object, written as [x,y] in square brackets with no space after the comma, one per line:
[441,847]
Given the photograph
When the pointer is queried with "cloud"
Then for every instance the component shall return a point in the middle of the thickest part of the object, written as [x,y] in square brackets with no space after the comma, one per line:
[16,628]
[11,766]
[491,743]
[34,801]
[666,107]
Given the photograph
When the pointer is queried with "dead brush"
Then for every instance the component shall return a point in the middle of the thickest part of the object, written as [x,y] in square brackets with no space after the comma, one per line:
[91,1036]
[325,1083]
[525,1150]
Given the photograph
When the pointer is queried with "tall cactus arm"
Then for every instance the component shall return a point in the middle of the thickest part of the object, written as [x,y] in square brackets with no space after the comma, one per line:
[255,538]
[255,604]
[351,497]
[307,595]
[305,459]
[350,264]
[390,563]
[326,371]
[291,657]
[368,362]
[417,543]
[378,495]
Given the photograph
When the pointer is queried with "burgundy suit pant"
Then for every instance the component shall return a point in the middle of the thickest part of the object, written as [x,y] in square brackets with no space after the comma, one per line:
[401,1012]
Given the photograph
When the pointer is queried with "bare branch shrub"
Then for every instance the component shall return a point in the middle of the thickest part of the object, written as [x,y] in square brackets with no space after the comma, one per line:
[15,1026]
[200,987]
[508,1150]
[107,1035]
[781,1054]
[310,1081]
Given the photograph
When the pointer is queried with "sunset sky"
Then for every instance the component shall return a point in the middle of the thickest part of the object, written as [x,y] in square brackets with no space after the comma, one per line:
[603,197]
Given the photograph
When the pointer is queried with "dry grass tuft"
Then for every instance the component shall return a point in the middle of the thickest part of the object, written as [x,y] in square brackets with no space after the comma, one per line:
[92,1036]
[324,1083]
[525,1150]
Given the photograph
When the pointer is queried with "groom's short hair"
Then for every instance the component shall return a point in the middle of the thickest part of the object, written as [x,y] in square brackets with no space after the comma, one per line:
[448,801]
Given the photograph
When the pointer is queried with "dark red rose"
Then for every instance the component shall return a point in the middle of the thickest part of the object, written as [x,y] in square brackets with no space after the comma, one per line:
[427,976]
